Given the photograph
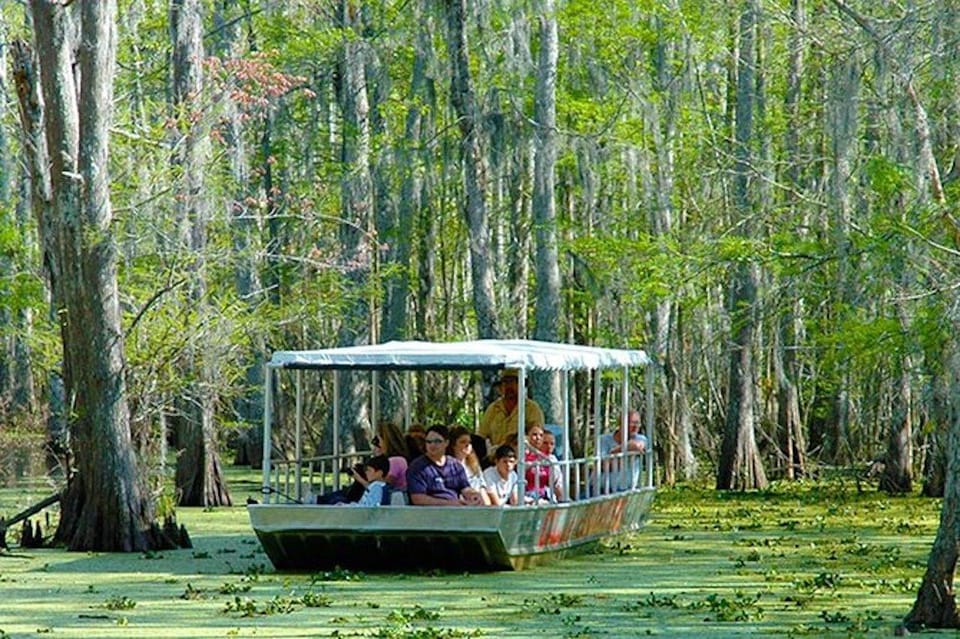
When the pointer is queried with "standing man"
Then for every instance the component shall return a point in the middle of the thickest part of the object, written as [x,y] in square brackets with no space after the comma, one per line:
[500,419]
[433,479]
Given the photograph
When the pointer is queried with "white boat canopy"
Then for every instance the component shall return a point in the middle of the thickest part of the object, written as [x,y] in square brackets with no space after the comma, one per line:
[483,354]
[466,355]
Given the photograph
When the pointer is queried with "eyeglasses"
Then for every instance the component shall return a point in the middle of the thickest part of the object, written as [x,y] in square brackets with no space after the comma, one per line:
[434,441]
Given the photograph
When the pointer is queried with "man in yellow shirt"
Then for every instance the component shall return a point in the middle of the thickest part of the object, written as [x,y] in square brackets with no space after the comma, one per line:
[499,421]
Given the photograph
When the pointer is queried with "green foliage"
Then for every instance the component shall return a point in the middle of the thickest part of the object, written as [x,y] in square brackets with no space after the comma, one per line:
[166,505]
[740,608]
[886,179]
[405,632]
[192,593]
[245,607]
[552,604]
[337,574]
[417,613]
[277,605]
[120,602]
[822,581]
[232,588]
[316,600]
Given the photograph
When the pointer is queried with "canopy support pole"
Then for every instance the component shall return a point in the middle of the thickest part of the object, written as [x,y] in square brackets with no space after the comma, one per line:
[522,435]
[407,376]
[597,401]
[267,420]
[375,401]
[298,440]
[626,461]
[336,428]
[651,378]
[565,395]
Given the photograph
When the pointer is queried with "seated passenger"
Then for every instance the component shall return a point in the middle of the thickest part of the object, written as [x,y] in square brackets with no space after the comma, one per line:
[387,441]
[390,441]
[501,478]
[377,492]
[461,449]
[542,483]
[357,490]
[348,494]
[622,474]
[415,445]
[434,479]
[549,446]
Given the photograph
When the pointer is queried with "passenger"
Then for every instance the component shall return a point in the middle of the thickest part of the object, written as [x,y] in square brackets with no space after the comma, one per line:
[549,446]
[461,448]
[612,444]
[549,449]
[433,479]
[415,435]
[500,418]
[353,493]
[377,491]
[501,478]
[479,444]
[390,441]
[541,480]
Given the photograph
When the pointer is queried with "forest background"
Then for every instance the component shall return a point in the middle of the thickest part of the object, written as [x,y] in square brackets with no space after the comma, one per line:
[759,193]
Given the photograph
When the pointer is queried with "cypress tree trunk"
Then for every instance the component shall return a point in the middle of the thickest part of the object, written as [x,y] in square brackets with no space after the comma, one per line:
[792,438]
[740,466]
[936,603]
[357,213]
[547,313]
[244,236]
[105,506]
[465,105]
[199,476]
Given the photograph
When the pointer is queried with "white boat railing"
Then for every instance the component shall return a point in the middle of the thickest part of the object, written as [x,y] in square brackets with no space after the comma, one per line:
[595,475]
[297,482]
[294,481]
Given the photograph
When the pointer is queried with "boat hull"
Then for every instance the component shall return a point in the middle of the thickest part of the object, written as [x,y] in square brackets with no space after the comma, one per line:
[299,537]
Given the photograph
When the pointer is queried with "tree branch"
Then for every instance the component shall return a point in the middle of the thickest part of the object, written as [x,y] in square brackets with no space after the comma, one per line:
[150,302]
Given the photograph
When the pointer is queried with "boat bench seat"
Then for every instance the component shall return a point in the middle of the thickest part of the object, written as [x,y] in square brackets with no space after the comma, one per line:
[399,498]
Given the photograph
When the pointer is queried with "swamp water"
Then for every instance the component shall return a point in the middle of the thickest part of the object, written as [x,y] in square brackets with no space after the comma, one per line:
[816,560]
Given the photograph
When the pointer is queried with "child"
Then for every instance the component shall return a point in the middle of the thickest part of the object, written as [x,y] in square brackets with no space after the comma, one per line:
[376,470]
[501,478]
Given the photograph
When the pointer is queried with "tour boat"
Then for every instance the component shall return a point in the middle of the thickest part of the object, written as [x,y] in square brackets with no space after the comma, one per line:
[302,536]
